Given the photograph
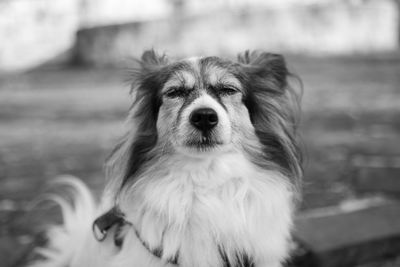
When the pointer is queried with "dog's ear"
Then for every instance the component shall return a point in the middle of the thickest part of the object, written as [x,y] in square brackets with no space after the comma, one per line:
[264,75]
[146,77]
[266,67]
[148,66]
[272,104]
[151,59]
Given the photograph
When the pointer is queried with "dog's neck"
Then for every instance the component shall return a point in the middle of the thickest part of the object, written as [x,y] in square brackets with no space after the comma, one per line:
[195,173]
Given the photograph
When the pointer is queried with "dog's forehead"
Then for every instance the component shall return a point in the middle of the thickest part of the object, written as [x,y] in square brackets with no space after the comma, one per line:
[200,71]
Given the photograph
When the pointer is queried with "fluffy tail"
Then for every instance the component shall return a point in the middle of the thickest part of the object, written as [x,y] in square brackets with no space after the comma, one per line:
[65,241]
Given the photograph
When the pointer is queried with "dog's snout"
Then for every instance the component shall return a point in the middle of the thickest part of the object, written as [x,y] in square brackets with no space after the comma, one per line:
[204,119]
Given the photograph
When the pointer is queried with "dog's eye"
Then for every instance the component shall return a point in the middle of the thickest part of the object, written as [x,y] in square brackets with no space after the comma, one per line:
[227,91]
[177,92]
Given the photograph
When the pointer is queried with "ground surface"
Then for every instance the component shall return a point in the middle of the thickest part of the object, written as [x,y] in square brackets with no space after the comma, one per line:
[66,121]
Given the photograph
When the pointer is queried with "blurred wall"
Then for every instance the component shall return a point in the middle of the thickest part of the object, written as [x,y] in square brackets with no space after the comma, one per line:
[36,31]
[110,12]
[313,27]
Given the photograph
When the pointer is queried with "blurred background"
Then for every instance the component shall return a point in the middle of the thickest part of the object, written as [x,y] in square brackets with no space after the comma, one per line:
[63,101]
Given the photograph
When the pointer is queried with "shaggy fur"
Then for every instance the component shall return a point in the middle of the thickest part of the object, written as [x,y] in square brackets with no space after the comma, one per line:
[180,196]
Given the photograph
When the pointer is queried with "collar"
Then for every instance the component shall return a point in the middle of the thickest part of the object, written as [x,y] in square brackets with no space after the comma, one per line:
[115,217]
[105,222]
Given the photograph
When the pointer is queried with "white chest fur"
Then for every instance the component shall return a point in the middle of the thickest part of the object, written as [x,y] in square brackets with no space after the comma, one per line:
[198,208]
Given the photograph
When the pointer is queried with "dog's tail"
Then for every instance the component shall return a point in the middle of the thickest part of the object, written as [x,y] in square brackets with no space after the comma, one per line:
[67,240]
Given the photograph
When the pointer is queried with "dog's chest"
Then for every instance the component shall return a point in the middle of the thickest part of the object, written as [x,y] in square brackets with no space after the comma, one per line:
[198,218]
[215,210]
[212,192]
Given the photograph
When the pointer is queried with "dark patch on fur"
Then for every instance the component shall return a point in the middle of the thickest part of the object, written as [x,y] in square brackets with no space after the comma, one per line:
[213,92]
[207,62]
[272,104]
[148,79]
[212,89]
[157,252]
[188,100]
[118,238]
[242,259]
[174,260]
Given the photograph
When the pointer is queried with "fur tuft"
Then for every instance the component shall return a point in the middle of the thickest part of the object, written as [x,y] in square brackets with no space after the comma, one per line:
[65,241]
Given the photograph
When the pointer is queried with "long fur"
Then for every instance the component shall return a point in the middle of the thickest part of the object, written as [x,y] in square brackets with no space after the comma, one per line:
[225,202]
[66,240]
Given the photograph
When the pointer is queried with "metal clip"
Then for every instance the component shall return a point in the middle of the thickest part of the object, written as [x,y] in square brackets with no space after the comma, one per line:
[105,222]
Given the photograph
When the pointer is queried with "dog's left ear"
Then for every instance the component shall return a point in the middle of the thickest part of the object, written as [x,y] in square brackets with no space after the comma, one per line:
[272,104]
[268,67]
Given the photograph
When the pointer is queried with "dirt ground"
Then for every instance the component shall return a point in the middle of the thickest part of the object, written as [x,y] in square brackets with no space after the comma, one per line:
[57,121]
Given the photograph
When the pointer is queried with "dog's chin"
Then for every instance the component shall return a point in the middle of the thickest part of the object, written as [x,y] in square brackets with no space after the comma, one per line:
[202,147]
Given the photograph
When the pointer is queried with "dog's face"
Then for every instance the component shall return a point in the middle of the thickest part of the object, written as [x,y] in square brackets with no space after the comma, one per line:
[202,108]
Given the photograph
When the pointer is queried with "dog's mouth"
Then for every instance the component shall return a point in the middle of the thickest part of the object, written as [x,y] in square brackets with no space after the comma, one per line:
[204,143]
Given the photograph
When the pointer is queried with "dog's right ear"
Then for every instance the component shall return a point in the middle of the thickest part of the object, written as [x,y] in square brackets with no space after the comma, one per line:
[147,77]
[152,58]
[147,69]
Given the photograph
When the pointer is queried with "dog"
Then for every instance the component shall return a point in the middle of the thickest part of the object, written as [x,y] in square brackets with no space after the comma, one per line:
[207,175]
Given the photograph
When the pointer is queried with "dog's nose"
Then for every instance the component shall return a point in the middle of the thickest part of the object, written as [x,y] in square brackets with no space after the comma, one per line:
[204,119]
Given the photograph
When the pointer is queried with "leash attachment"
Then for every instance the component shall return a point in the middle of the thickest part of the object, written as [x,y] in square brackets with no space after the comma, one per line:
[105,222]
[114,217]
